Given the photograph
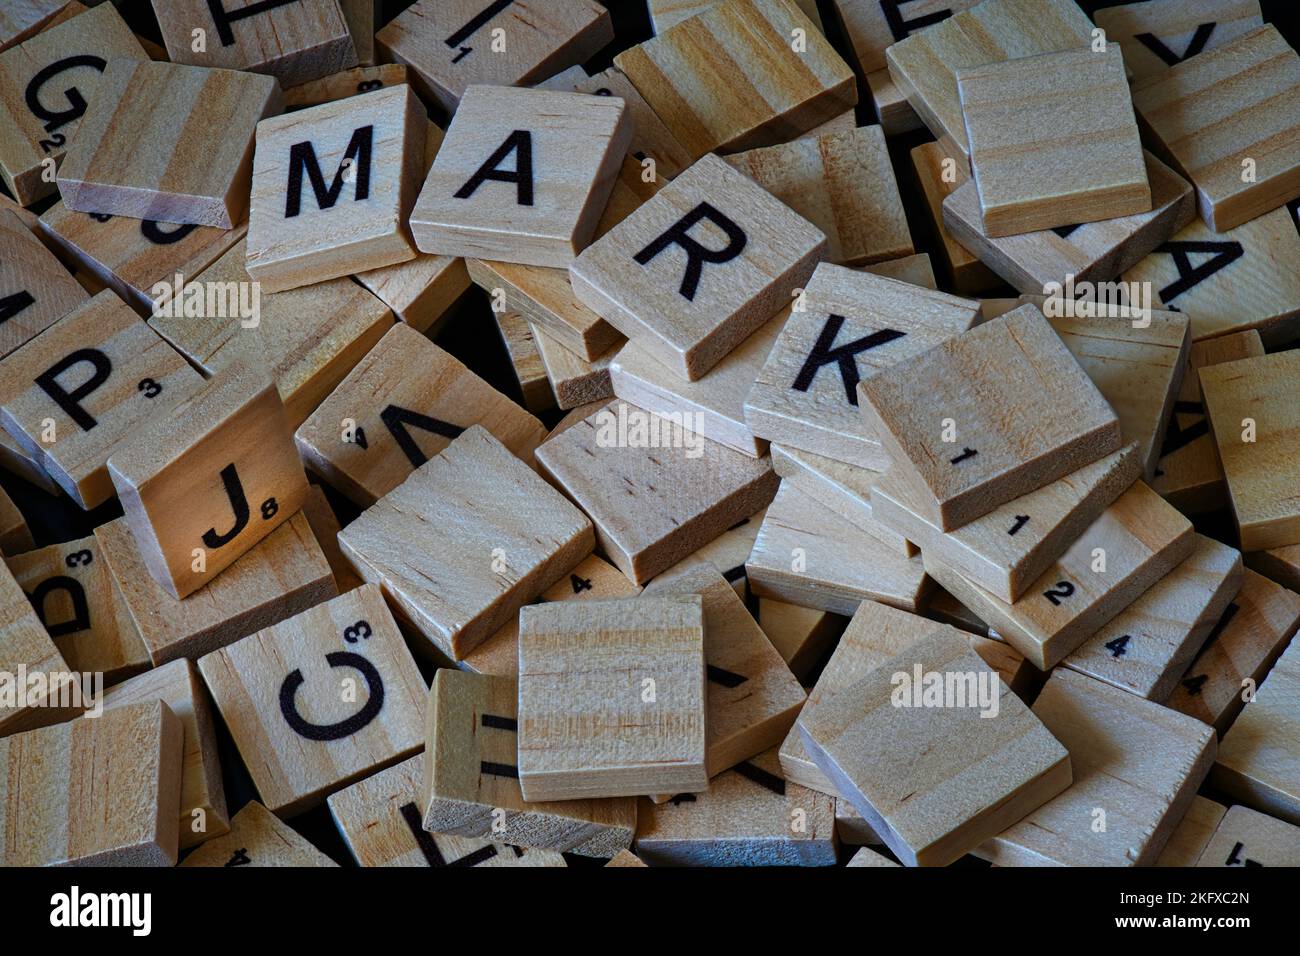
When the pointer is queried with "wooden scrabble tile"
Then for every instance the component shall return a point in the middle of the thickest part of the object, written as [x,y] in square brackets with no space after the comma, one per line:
[851,324]
[1075,159]
[940,176]
[99,375]
[306,340]
[977,775]
[203,801]
[1136,762]
[258,837]
[752,698]
[924,64]
[15,536]
[1089,252]
[749,816]
[871,26]
[1137,540]
[798,557]
[345,83]
[1192,834]
[401,405]
[471,777]
[26,648]
[728,552]
[1227,120]
[844,489]
[234,430]
[526,360]
[1254,630]
[284,574]
[1006,550]
[769,88]
[844,185]
[1007,409]
[801,635]
[35,290]
[713,405]
[466,540]
[1146,648]
[1155,34]
[869,857]
[379,819]
[373,151]
[187,176]
[654,491]
[293,42]
[1244,278]
[1259,759]
[688,298]
[625,858]
[451,44]
[1258,436]
[651,137]
[895,114]
[915,270]
[49,815]
[278,692]
[20,20]
[612,698]
[564,151]
[73,593]
[874,635]
[1247,838]
[46,84]
[1188,474]
[574,381]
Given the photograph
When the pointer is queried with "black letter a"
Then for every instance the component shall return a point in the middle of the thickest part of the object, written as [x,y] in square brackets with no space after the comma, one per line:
[522,177]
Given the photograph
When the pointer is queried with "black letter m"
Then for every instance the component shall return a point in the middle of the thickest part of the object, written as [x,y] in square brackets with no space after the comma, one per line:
[302,156]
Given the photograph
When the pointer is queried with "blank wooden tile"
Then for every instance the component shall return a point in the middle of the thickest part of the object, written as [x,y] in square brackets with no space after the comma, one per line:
[1259,758]
[379,819]
[1257,433]
[688,296]
[345,83]
[852,324]
[1090,252]
[976,776]
[914,270]
[612,698]
[25,645]
[1146,648]
[100,375]
[203,801]
[233,431]
[1244,278]
[799,557]
[653,506]
[940,176]
[522,176]
[1248,838]
[452,44]
[526,360]
[752,697]
[258,838]
[45,92]
[1192,833]
[491,536]
[1041,155]
[1254,630]
[1137,762]
[890,104]
[50,814]
[299,230]
[1155,35]
[401,405]
[284,574]
[471,776]
[1023,414]
[844,185]
[575,382]
[26,17]
[35,290]
[1228,120]
[292,42]
[15,536]
[299,735]
[924,64]
[801,635]
[1141,539]
[749,816]
[731,79]
[73,593]
[186,177]
[1006,550]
